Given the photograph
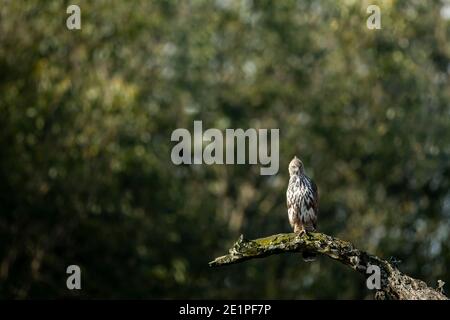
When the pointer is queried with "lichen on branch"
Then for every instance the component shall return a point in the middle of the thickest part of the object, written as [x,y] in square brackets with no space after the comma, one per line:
[394,284]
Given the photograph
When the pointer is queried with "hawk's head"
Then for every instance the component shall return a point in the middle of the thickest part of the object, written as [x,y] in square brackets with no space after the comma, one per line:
[295,167]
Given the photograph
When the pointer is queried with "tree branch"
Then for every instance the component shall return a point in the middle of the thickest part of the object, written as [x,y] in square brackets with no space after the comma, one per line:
[394,284]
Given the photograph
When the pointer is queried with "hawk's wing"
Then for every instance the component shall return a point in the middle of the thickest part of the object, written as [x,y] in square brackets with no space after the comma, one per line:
[291,198]
[315,202]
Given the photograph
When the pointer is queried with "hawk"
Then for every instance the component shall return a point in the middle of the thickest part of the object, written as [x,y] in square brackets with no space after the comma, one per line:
[302,202]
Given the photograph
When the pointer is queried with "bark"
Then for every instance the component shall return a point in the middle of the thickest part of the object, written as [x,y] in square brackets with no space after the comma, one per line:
[394,284]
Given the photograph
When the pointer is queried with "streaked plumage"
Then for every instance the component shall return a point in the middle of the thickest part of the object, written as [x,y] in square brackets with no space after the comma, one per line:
[302,200]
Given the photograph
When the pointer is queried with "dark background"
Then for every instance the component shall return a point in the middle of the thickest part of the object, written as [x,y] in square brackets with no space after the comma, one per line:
[86,118]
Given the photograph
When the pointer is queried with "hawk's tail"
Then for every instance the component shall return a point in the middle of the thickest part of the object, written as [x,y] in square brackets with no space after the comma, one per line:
[308,256]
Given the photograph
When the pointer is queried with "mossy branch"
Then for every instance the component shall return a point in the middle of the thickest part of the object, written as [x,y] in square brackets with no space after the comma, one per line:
[394,284]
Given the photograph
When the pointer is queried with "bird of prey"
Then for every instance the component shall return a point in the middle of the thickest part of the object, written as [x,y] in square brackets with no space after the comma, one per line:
[302,202]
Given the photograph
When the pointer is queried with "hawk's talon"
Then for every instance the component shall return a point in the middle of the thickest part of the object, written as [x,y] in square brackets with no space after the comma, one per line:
[300,233]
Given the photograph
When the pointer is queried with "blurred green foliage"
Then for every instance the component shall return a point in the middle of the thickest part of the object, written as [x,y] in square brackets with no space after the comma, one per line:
[86,118]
